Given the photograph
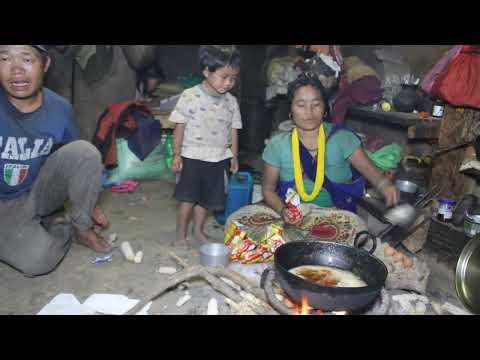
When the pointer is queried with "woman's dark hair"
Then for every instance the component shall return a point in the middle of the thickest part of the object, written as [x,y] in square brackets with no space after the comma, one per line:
[152,72]
[303,80]
[214,57]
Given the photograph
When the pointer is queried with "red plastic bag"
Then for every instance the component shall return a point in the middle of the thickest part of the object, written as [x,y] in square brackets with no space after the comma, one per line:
[459,84]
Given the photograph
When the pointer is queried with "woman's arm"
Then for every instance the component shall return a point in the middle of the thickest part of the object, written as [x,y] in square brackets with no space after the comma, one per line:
[364,165]
[271,175]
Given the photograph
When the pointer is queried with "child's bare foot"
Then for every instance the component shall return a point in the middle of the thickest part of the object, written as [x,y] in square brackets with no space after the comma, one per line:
[93,241]
[179,242]
[200,237]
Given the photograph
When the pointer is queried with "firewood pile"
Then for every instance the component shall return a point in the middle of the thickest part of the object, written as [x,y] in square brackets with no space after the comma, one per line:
[242,297]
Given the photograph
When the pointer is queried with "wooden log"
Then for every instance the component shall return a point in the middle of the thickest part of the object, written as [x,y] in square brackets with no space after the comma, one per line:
[240,280]
[237,278]
[456,129]
[221,287]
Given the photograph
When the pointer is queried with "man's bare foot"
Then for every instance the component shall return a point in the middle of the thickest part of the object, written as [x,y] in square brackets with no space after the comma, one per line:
[93,241]
[100,218]
[54,221]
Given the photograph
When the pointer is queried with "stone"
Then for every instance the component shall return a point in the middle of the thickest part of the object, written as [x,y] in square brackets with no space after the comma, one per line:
[381,305]
[437,308]
[409,304]
[166,270]
[212,308]
[401,278]
[454,310]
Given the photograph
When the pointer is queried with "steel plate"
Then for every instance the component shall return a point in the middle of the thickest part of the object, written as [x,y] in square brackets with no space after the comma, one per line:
[467,279]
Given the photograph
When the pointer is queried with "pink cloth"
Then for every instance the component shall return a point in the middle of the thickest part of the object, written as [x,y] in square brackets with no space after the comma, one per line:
[365,91]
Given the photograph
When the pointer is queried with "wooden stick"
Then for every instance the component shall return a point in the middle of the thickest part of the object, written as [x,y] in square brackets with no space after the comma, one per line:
[174,281]
[221,287]
[211,276]
[240,280]
[178,260]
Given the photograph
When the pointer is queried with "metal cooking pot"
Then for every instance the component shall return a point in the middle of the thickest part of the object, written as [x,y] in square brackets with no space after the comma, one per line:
[467,278]
[360,262]
[214,255]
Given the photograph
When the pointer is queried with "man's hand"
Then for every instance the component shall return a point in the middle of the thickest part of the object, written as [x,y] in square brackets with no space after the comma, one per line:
[177,165]
[234,166]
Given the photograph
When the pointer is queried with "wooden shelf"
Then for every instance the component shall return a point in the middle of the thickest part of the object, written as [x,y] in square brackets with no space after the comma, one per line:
[417,128]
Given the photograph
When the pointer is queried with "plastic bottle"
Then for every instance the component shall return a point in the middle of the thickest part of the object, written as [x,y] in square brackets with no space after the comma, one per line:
[169,151]
[438,109]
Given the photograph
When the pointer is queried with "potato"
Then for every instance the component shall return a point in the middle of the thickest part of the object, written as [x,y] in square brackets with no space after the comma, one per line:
[398,257]
[407,262]
[389,251]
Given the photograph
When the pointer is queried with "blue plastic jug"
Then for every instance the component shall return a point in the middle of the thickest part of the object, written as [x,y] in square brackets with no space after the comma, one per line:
[240,194]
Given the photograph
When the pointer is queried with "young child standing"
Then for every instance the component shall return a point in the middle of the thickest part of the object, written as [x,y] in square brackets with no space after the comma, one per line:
[205,140]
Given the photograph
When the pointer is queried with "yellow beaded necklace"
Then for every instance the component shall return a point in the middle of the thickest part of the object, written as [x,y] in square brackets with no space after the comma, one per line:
[297,165]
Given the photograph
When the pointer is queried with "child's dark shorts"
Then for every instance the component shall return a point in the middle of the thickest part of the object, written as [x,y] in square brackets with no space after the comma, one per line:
[203,183]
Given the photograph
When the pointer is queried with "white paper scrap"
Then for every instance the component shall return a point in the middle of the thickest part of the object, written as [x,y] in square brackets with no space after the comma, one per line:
[66,304]
[145,310]
[110,304]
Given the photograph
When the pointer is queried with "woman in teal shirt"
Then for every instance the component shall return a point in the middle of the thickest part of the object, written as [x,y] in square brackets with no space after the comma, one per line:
[343,157]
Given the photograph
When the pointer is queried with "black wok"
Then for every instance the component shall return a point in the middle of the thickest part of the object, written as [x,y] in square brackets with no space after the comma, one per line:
[358,261]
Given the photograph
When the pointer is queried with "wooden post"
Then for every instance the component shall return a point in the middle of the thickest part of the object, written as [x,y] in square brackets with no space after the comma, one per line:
[456,128]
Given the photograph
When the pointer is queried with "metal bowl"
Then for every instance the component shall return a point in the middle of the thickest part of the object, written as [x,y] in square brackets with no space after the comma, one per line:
[402,215]
[467,278]
[406,186]
[214,255]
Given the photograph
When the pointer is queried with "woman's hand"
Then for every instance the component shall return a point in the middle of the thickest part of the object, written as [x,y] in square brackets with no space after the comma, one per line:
[234,166]
[177,165]
[391,195]
[383,184]
[288,217]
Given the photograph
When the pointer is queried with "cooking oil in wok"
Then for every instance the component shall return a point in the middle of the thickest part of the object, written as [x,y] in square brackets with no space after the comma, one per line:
[329,276]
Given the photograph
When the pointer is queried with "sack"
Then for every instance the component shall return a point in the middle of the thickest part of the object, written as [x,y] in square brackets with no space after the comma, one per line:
[430,79]
[357,69]
[131,168]
[459,85]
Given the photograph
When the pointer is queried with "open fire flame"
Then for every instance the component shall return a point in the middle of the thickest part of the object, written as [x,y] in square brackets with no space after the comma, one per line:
[304,309]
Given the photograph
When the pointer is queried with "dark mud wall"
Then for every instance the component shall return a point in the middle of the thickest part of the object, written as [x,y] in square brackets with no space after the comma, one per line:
[420,57]
[118,81]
